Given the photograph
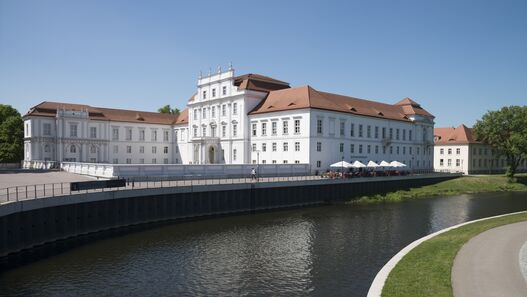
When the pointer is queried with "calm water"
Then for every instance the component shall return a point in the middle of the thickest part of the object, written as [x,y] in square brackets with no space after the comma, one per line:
[325,251]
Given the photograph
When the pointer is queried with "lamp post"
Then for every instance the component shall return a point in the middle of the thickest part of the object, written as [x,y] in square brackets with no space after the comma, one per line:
[342,166]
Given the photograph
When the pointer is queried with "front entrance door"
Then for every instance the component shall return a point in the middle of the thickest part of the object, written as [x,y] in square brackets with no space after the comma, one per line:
[211,154]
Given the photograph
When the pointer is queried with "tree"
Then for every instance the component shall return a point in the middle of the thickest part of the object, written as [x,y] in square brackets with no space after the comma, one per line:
[168,109]
[11,135]
[506,131]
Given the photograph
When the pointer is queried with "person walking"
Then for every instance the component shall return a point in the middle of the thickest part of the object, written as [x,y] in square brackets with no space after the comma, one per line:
[253,174]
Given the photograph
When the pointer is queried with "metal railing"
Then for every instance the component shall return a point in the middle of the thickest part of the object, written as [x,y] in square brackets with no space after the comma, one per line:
[38,191]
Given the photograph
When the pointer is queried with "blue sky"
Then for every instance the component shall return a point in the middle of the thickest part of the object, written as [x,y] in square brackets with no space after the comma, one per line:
[457,58]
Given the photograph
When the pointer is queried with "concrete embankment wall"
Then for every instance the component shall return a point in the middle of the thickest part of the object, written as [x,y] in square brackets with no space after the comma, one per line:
[28,224]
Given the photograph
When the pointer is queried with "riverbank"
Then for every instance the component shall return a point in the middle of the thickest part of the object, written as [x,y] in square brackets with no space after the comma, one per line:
[458,186]
[426,270]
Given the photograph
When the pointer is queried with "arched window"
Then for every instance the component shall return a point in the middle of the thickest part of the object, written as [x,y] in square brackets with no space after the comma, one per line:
[73,149]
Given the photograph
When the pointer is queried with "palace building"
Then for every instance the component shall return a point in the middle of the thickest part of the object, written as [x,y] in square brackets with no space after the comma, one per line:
[232,119]
[457,150]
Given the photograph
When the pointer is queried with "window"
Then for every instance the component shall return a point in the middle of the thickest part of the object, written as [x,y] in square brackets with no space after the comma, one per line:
[352,130]
[384,150]
[376,132]
[404,150]
[273,128]
[383,132]
[342,128]
[213,93]
[223,130]
[397,150]
[224,90]
[165,150]
[297,161]
[264,161]
[73,149]
[449,162]
[418,151]
[195,132]
[254,129]
[254,147]
[450,151]
[264,129]
[376,149]
[46,127]
[273,146]
[368,149]
[195,114]
[397,134]
[73,130]
[93,132]
[235,108]
[352,148]
[204,113]
[213,131]
[128,133]
[410,150]
[154,150]
[115,161]
[213,111]
[274,161]
[319,163]
[115,149]
[165,160]
[297,146]
[128,161]
[234,154]
[297,126]
[404,134]
[441,151]
[458,151]
[458,162]
[360,130]
[128,149]
[27,129]
[319,146]
[410,135]
[204,131]
[285,127]
[360,148]
[46,148]
[154,161]
[285,161]
[234,129]
[391,133]
[286,146]
[441,163]
[141,149]
[204,94]
[368,131]
[142,134]
[319,126]
[341,147]
[154,135]
[223,110]
[264,147]
[165,135]
[391,150]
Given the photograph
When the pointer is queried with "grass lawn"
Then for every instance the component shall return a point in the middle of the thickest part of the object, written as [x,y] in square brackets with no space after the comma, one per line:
[462,185]
[426,270]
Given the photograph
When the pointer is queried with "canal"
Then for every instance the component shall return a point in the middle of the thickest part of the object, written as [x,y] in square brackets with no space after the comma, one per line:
[331,250]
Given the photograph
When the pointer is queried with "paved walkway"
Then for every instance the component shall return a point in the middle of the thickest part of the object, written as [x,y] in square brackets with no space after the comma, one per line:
[489,264]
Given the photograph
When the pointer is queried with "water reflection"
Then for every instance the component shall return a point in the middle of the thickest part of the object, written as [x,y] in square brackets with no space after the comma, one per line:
[334,250]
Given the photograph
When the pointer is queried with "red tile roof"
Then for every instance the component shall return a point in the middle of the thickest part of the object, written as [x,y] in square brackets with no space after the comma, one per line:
[460,135]
[257,82]
[308,97]
[49,109]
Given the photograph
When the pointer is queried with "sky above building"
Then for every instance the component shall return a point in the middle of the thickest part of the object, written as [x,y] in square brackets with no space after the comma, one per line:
[459,59]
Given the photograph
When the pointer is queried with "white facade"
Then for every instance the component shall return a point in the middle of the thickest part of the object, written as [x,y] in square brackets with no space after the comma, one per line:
[221,130]
[472,158]
[72,136]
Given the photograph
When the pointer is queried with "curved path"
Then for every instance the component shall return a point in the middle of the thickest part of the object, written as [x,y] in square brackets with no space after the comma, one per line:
[489,264]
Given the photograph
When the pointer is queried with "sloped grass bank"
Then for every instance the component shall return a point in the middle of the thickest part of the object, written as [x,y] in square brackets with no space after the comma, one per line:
[461,185]
[426,270]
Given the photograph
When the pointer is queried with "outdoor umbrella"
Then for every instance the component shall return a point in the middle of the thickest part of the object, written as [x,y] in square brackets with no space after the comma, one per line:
[397,164]
[358,164]
[385,164]
[341,164]
[372,164]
